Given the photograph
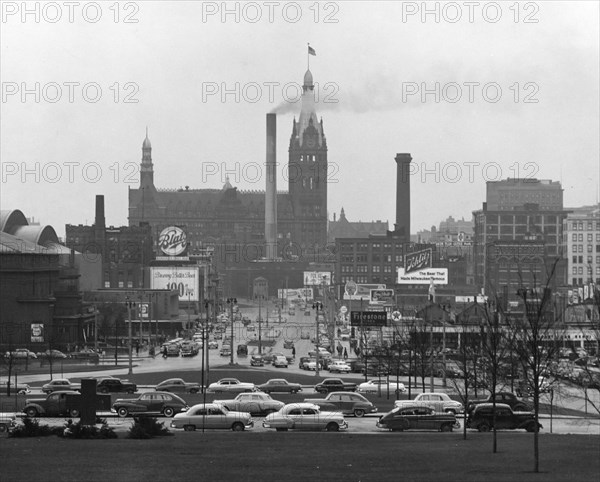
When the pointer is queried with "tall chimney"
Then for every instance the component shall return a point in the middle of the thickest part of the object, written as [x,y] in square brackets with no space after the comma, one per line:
[271,189]
[100,221]
[402,226]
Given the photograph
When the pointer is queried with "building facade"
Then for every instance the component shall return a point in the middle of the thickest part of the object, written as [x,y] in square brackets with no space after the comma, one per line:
[581,238]
[518,235]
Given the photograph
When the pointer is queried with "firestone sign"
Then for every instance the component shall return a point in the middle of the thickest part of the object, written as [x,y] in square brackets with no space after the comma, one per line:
[172,241]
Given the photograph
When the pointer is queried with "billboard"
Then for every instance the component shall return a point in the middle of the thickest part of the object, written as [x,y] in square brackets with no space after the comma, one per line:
[292,295]
[363,292]
[184,279]
[417,260]
[37,332]
[368,318]
[172,241]
[382,296]
[312,278]
[423,276]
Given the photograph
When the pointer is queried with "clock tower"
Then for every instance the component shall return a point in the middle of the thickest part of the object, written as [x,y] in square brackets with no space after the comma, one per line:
[308,173]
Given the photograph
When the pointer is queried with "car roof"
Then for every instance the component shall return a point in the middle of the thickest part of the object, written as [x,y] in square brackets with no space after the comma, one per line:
[171,380]
[277,380]
[291,406]
[490,405]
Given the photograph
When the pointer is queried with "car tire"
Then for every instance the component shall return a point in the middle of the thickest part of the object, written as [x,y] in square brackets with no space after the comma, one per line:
[519,408]
[447,427]
[131,391]
[31,412]
[104,390]
[530,427]
[74,413]
[281,429]
[168,412]
[484,427]
[293,392]
[451,411]
[194,390]
[332,427]
[3,428]
[237,427]
[189,428]
[123,412]
[359,413]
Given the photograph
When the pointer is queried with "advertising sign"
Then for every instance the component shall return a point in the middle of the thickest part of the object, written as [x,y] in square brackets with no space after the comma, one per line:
[423,276]
[417,260]
[312,278]
[172,241]
[184,279]
[382,296]
[368,318]
[363,292]
[292,295]
[37,332]
[144,310]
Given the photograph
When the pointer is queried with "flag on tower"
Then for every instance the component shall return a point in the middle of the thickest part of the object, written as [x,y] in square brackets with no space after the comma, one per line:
[311,51]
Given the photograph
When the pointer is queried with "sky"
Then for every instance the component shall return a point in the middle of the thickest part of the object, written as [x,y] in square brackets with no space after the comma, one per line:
[474,93]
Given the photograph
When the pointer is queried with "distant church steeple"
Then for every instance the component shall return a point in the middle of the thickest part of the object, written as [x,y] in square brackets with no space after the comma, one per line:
[146,167]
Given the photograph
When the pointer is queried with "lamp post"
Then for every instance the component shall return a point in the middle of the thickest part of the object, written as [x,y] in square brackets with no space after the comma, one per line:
[231,302]
[259,297]
[317,305]
[130,304]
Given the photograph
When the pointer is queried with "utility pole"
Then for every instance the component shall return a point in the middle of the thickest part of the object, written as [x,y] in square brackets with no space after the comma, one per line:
[231,302]
[317,306]
[130,304]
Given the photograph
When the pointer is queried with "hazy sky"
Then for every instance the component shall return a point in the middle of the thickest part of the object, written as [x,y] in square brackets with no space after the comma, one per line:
[517,95]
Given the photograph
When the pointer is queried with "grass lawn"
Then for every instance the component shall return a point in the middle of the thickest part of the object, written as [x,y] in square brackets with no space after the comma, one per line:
[228,456]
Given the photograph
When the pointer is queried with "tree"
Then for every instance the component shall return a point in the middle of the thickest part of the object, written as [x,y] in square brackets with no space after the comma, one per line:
[535,338]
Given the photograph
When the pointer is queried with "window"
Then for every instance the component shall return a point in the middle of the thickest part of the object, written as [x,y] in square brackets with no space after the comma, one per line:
[580,248]
[574,237]
[590,237]
[581,259]
[581,237]
[574,270]
[590,248]
[574,261]
[580,270]
[376,269]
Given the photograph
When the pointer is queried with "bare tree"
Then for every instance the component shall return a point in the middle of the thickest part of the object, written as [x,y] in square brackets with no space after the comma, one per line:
[535,339]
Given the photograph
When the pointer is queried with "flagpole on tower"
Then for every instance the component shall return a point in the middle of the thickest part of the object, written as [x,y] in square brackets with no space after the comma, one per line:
[308,56]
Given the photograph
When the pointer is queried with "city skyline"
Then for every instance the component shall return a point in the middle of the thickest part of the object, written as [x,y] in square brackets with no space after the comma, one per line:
[177,60]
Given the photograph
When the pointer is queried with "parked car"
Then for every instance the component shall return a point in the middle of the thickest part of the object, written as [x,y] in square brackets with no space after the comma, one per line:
[347,403]
[20,353]
[440,402]
[482,418]
[255,403]
[339,366]
[419,417]
[86,354]
[381,386]
[173,349]
[20,388]
[62,404]
[279,385]
[323,353]
[167,404]
[212,416]
[507,398]
[213,345]
[107,385]
[52,354]
[225,350]
[60,384]
[250,328]
[280,362]
[189,348]
[7,422]
[334,385]
[242,350]
[177,385]
[232,385]
[311,364]
[305,416]
[257,361]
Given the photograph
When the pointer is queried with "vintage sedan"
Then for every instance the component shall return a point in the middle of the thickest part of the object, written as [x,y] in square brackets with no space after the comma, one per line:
[163,403]
[20,388]
[305,416]
[52,354]
[417,417]
[381,386]
[279,385]
[347,403]
[60,384]
[231,385]
[177,385]
[255,403]
[212,416]
[85,354]
[257,361]
[20,353]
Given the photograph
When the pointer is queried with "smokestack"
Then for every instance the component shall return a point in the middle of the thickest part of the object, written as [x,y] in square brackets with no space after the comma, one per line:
[100,222]
[402,226]
[271,189]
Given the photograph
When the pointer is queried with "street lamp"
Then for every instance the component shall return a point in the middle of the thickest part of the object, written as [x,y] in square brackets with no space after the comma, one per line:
[317,305]
[231,302]
[259,297]
[130,305]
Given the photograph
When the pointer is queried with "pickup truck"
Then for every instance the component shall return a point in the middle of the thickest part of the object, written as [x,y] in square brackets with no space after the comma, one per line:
[507,398]
[482,418]
[334,385]
[347,403]
[62,404]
